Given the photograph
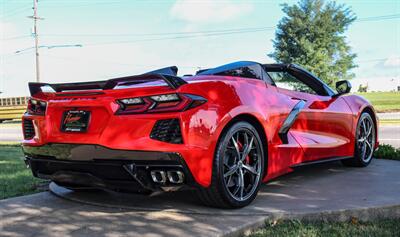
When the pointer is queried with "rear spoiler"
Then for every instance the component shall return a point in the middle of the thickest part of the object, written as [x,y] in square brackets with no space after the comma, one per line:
[173,82]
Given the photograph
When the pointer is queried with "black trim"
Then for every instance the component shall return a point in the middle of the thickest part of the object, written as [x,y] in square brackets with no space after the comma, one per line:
[167,130]
[303,75]
[87,152]
[101,167]
[229,70]
[325,160]
[172,71]
[289,121]
[172,81]
[108,174]
[28,129]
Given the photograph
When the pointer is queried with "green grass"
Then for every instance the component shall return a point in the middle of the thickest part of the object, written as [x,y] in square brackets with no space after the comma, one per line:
[388,152]
[386,227]
[15,178]
[383,101]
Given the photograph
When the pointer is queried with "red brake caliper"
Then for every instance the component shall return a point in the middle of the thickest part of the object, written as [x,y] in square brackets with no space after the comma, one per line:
[247,160]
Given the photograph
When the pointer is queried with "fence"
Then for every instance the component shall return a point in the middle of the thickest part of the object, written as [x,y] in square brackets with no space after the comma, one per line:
[12,108]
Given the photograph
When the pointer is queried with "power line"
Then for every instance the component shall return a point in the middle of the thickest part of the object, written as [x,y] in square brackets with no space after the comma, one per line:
[165,33]
[230,31]
[16,37]
[239,30]
[86,4]
[176,37]
[13,13]
[376,59]
[117,63]
[378,18]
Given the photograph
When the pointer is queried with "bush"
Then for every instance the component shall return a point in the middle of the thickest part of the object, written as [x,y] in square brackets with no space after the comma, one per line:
[385,151]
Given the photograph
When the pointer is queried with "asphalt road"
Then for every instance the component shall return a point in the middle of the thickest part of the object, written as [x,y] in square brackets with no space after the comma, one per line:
[388,134]
[10,132]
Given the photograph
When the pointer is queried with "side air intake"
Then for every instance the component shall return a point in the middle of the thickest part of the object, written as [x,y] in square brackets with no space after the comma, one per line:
[167,130]
[29,130]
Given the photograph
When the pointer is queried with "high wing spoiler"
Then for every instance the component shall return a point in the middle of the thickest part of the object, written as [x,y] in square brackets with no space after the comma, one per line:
[171,80]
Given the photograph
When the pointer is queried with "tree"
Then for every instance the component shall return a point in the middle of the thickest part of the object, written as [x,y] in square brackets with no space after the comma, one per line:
[311,35]
[362,88]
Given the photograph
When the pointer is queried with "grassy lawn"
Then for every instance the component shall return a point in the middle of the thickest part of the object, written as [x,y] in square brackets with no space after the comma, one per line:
[320,228]
[383,101]
[15,178]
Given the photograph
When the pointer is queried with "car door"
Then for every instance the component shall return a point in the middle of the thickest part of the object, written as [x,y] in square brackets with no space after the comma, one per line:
[323,126]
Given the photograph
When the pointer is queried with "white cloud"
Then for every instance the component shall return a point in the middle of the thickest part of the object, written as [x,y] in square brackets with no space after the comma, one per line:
[392,61]
[209,11]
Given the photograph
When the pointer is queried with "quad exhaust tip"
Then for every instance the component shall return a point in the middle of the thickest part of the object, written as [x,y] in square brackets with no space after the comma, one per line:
[158,176]
[173,176]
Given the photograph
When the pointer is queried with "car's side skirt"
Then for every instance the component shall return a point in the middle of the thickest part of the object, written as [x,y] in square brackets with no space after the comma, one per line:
[326,160]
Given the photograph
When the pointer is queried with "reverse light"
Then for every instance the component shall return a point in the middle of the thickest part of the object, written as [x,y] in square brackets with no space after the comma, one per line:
[165,98]
[132,101]
[37,107]
[159,103]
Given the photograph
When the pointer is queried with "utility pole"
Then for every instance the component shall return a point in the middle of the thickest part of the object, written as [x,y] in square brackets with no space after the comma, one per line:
[35,34]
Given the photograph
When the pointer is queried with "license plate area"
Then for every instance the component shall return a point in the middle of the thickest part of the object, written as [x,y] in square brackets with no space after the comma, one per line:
[75,121]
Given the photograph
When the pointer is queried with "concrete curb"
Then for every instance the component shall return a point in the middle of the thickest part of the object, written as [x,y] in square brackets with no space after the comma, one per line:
[329,192]
[363,214]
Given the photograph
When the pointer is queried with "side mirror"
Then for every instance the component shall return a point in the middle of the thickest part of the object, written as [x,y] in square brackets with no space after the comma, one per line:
[343,87]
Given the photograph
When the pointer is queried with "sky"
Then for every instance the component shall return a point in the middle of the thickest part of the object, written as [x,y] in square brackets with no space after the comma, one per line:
[127,37]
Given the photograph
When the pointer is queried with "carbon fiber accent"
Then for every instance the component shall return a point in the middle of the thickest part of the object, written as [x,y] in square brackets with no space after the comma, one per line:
[168,130]
[289,121]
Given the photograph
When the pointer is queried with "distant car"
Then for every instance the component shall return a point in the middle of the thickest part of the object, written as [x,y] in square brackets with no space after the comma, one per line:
[221,132]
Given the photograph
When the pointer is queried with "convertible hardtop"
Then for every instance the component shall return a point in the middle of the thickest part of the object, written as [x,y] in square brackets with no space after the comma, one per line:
[248,69]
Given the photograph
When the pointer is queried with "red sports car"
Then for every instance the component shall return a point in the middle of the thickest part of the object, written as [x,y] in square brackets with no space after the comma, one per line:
[222,132]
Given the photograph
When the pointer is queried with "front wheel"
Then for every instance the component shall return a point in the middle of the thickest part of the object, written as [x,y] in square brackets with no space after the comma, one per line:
[238,168]
[365,138]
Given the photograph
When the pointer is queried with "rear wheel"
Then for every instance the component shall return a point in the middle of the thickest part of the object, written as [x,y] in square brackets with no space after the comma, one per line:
[238,168]
[364,142]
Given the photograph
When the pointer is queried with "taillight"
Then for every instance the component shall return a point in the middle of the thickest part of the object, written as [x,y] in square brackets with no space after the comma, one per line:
[37,107]
[159,103]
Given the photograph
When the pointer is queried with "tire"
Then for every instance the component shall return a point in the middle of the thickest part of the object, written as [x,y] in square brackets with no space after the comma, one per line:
[231,168]
[365,138]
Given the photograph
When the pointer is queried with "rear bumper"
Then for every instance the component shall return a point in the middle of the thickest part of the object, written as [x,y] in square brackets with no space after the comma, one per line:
[96,166]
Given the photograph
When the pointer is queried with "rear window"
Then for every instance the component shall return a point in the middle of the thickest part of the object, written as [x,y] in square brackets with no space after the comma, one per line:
[253,72]
[249,72]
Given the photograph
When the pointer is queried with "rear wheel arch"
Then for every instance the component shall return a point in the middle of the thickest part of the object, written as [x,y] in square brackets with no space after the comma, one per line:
[255,122]
[218,194]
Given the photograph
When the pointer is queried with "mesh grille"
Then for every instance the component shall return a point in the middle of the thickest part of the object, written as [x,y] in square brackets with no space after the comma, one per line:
[167,130]
[29,130]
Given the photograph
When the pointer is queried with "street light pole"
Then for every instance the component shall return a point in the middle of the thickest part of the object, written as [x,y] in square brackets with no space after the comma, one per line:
[35,32]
